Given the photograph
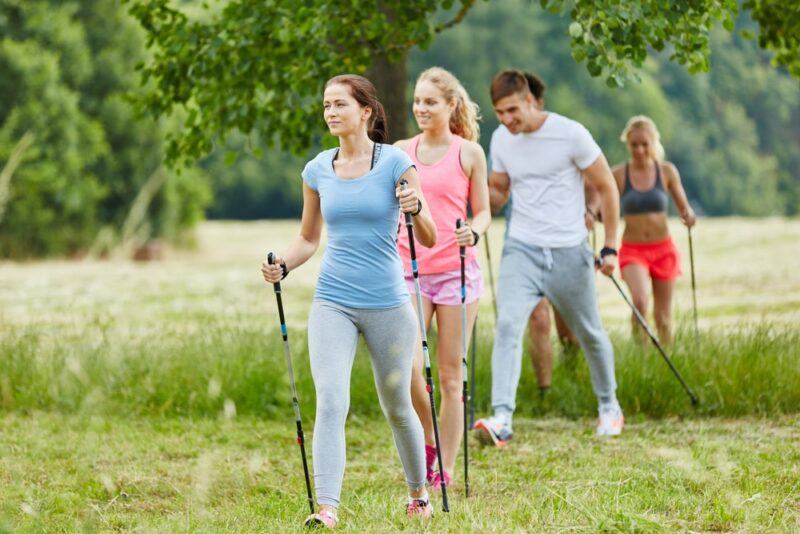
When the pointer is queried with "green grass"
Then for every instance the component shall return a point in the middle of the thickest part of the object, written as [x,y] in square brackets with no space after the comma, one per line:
[243,475]
[155,397]
[754,372]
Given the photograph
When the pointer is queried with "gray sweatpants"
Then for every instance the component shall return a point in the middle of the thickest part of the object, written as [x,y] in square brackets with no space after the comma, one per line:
[332,337]
[566,277]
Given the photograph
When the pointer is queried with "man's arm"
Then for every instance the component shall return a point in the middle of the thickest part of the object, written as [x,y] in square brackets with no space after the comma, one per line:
[499,190]
[598,176]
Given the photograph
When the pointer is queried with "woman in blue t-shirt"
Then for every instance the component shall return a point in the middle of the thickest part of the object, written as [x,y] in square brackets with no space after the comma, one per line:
[355,190]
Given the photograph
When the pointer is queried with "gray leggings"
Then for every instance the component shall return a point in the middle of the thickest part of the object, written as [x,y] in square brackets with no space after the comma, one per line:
[566,277]
[332,337]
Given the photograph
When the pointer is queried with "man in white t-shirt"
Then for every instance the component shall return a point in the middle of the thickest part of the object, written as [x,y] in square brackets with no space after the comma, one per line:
[542,158]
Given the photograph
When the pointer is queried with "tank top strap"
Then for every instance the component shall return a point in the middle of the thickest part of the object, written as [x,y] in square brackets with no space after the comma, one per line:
[411,149]
[659,180]
[627,177]
[453,156]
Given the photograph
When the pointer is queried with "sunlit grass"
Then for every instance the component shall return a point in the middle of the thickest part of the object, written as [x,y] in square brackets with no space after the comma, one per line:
[154,396]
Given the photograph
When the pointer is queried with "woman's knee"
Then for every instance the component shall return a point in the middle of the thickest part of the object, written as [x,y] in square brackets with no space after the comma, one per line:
[451,385]
[332,403]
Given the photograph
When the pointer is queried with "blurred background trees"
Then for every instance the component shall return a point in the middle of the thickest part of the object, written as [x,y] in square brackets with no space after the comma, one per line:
[232,85]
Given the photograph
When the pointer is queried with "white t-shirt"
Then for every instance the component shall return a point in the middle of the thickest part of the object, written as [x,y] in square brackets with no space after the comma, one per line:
[546,184]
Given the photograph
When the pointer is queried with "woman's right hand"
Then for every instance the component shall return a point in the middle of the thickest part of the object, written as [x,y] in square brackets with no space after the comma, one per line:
[688,217]
[272,272]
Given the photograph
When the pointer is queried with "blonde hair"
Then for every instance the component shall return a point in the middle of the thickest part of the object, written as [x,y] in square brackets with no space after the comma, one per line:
[465,117]
[643,121]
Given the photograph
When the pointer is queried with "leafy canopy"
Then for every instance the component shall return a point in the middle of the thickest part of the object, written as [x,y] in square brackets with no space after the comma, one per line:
[260,64]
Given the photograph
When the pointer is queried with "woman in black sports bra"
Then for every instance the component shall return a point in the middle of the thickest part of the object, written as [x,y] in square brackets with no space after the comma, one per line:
[648,256]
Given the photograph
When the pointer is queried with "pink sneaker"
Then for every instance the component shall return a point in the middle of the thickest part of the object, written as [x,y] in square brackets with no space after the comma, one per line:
[321,519]
[430,459]
[419,508]
[436,483]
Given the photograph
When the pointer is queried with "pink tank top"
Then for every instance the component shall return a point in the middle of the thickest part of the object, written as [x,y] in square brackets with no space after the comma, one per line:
[446,189]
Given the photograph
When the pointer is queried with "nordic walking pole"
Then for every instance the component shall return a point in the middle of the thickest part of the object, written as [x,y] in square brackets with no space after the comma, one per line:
[653,338]
[475,329]
[472,373]
[462,253]
[295,403]
[491,272]
[694,292]
[428,376]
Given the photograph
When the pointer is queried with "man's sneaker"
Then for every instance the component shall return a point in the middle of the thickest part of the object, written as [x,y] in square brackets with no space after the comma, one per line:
[430,459]
[610,421]
[493,430]
[419,508]
[436,483]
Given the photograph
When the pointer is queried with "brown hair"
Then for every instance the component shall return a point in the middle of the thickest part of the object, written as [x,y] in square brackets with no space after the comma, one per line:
[535,84]
[465,116]
[507,83]
[365,94]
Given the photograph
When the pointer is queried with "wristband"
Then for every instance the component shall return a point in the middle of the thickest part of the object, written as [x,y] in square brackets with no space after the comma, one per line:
[607,251]
[284,270]
[419,208]
[475,236]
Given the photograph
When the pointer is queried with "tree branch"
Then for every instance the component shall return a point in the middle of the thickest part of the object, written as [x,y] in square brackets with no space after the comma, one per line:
[465,6]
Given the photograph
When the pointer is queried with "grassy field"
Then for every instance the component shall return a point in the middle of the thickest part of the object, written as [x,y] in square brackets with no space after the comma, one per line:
[154,396]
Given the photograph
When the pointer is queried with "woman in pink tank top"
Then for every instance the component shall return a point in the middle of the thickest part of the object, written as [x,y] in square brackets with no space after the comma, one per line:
[452,171]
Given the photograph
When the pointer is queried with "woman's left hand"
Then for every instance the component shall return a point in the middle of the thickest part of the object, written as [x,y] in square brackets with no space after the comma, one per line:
[409,201]
[464,236]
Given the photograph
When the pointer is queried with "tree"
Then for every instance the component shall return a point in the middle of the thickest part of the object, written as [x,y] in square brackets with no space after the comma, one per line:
[256,65]
[67,69]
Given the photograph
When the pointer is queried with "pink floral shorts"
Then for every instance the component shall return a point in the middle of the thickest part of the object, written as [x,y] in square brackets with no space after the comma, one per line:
[445,288]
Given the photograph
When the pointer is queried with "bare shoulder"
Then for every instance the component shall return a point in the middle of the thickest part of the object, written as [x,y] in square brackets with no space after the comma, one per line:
[669,168]
[618,170]
[472,150]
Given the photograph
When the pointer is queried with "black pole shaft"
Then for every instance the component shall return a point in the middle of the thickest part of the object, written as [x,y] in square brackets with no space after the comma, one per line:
[462,253]
[694,291]
[295,403]
[425,354]
[472,373]
[654,339]
[491,272]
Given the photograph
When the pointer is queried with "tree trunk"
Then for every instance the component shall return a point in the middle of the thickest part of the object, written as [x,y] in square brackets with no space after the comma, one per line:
[390,80]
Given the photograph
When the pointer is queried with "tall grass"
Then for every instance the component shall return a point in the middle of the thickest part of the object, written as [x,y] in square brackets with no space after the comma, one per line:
[753,371]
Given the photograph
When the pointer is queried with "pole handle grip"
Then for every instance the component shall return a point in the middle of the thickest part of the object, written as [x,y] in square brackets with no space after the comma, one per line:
[461,250]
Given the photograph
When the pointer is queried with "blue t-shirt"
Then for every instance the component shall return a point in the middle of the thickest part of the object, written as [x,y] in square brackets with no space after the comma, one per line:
[361,267]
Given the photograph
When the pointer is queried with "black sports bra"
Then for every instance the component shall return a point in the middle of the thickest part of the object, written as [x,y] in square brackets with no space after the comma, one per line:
[654,200]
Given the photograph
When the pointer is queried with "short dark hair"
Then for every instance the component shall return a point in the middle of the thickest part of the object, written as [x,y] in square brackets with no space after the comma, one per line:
[507,83]
[513,81]
[536,85]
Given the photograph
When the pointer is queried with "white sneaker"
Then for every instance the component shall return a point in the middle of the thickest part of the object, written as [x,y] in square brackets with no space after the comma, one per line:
[610,420]
[494,430]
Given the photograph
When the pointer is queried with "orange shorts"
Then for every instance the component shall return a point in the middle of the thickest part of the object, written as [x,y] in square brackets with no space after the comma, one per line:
[661,258]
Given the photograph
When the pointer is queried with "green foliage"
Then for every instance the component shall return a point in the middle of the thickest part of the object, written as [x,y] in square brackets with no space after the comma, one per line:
[277,55]
[779,21]
[730,131]
[68,67]
[254,182]
[614,36]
